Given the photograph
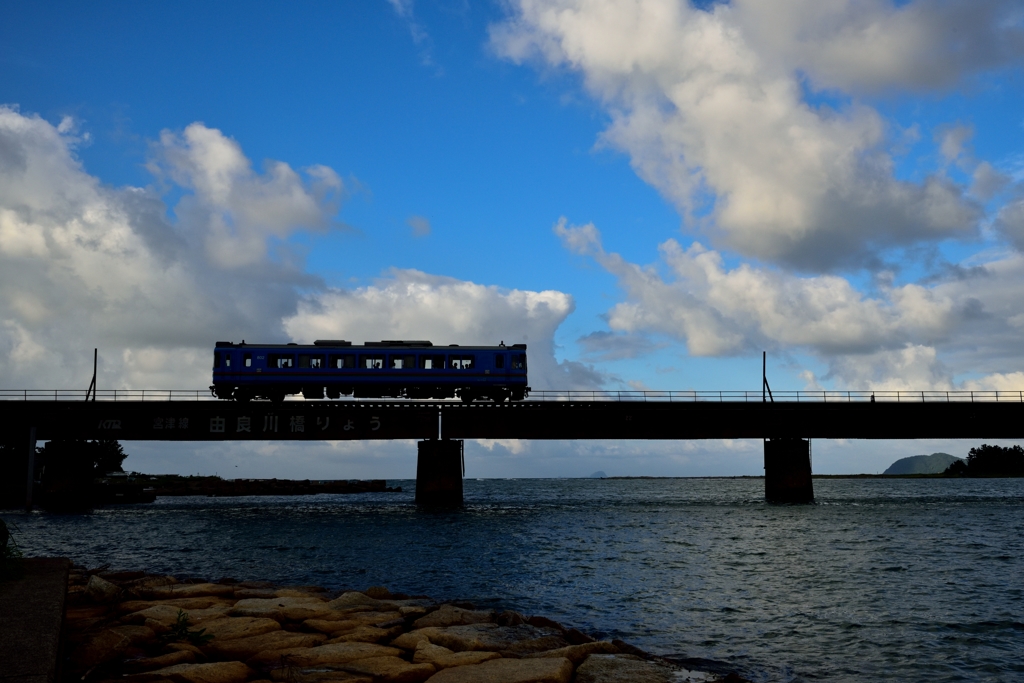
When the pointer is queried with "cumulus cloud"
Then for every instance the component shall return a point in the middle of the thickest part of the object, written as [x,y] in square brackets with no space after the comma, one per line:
[409,304]
[234,208]
[83,264]
[710,105]
[872,45]
[888,340]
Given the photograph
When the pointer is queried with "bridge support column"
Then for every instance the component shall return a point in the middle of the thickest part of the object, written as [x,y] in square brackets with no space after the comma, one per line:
[30,482]
[787,471]
[439,469]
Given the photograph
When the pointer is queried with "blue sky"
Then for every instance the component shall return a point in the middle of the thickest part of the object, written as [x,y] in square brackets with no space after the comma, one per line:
[850,172]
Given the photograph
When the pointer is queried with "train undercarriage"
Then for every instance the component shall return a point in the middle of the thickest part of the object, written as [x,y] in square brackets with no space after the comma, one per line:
[278,393]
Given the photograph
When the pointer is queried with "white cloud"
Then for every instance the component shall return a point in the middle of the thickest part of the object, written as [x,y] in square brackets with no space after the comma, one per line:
[871,45]
[235,209]
[409,304]
[84,265]
[710,104]
[911,336]
[513,446]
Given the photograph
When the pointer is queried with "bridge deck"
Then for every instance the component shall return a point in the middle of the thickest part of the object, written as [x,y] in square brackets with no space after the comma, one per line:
[201,420]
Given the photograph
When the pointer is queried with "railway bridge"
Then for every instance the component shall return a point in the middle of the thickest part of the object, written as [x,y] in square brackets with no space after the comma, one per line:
[787,421]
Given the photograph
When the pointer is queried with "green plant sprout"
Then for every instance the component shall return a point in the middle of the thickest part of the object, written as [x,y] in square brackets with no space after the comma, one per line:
[181,630]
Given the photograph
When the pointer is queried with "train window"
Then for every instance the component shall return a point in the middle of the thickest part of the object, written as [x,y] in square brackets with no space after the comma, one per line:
[247,359]
[216,359]
[345,362]
[281,360]
[372,362]
[461,362]
[431,362]
[518,361]
[499,360]
[311,361]
[227,360]
[399,362]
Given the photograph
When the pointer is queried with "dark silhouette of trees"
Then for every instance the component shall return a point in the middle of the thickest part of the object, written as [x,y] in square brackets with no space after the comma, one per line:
[13,470]
[989,461]
[78,458]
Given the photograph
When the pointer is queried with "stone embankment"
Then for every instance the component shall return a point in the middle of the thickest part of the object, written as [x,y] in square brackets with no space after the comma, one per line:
[174,485]
[129,626]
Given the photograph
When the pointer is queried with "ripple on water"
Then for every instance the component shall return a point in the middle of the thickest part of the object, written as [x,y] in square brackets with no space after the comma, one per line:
[912,580]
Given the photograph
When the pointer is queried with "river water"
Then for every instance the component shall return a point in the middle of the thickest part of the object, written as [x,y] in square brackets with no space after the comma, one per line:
[909,580]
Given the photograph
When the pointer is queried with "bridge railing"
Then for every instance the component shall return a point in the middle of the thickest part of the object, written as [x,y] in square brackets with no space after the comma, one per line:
[831,396]
[107,395]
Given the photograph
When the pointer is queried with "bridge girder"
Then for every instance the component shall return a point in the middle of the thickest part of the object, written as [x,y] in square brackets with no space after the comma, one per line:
[386,420]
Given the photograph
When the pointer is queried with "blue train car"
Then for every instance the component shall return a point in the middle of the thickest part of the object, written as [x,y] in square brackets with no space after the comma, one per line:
[385,369]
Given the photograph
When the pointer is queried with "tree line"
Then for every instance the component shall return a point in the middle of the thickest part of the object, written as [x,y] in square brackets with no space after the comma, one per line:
[989,461]
[65,461]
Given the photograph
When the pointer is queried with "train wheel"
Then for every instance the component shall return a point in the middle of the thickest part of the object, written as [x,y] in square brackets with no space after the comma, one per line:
[277,397]
[466,395]
[500,396]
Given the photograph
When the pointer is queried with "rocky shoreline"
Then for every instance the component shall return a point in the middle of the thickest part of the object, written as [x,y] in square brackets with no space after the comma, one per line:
[143,628]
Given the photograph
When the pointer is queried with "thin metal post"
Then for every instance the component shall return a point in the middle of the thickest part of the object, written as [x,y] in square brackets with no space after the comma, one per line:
[764,378]
[92,386]
[31,476]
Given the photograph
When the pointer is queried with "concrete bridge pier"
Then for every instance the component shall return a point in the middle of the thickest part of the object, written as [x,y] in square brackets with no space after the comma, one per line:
[31,478]
[787,471]
[440,466]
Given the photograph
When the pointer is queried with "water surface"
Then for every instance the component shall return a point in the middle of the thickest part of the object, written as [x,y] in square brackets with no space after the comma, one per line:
[910,580]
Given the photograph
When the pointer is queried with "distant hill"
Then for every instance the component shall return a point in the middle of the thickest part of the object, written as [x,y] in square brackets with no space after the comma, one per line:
[936,463]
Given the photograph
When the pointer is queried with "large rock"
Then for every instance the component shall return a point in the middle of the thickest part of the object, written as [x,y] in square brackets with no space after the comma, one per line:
[231,628]
[450,615]
[577,653]
[108,644]
[167,615]
[366,634]
[412,639]
[600,668]
[295,592]
[354,601]
[391,670]
[165,660]
[101,590]
[242,593]
[186,647]
[214,672]
[283,609]
[324,655]
[244,648]
[187,604]
[521,639]
[186,590]
[347,622]
[443,658]
[508,671]
[293,675]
